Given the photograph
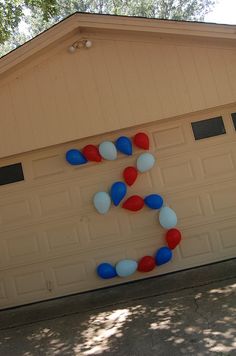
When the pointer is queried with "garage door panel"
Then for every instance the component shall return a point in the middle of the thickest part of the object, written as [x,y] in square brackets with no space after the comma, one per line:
[105,229]
[217,162]
[53,201]
[223,198]
[144,223]
[3,291]
[49,165]
[226,233]
[28,282]
[190,208]
[15,210]
[31,282]
[6,293]
[64,237]
[195,245]
[69,273]
[169,137]
[178,171]
[22,247]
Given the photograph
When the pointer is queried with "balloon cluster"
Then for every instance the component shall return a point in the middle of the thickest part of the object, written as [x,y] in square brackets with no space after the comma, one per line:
[167,219]
[107,150]
[102,200]
[127,267]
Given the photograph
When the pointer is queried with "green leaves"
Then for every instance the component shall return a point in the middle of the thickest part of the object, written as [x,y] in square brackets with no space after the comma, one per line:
[12,12]
[10,16]
[49,8]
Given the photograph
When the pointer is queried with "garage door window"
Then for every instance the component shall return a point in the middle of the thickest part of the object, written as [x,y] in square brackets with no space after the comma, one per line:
[208,128]
[234,119]
[11,174]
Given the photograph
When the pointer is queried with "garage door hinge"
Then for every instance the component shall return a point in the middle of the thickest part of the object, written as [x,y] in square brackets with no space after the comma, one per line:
[49,285]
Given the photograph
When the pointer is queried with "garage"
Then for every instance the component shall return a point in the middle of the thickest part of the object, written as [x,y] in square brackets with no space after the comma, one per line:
[51,237]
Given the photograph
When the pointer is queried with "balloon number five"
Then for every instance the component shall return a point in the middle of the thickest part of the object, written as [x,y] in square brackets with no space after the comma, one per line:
[102,201]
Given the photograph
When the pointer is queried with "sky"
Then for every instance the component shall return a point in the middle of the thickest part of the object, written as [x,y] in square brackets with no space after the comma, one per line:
[224,12]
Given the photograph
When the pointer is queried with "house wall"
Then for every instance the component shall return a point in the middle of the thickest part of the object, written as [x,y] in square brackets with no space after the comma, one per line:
[123,80]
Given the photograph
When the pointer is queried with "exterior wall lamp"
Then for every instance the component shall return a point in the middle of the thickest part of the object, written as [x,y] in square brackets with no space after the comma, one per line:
[83,43]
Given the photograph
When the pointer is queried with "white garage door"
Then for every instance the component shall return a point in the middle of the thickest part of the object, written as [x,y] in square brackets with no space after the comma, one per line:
[52,238]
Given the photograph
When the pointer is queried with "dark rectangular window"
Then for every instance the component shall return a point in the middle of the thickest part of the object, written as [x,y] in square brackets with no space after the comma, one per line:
[11,174]
[208,128]
[234,119]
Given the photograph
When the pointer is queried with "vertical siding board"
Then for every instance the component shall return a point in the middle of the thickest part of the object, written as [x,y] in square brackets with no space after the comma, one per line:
[145,75]
[176,79]
[83,75]
[117,82]
[230,60]
[135,94]
[80,108]
[35,110]
[46,100]
[158,97]
[24,124]
[10,140]
[216,59]
[191,77]
[63,119]
[103,85]
[160,75]
[206,77]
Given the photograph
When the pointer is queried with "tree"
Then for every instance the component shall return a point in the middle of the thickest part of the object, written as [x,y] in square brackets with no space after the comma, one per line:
[38,15]
[12,12]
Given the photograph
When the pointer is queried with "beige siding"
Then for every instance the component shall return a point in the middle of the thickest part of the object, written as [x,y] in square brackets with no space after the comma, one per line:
[123,80]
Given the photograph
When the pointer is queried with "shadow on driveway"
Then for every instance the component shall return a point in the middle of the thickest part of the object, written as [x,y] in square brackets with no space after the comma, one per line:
[196,321]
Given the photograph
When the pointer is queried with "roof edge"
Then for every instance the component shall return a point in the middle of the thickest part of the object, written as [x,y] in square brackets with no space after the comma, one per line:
[113,22]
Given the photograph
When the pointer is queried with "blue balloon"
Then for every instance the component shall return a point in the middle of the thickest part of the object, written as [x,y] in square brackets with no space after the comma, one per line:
[163,255]
[154,201]
[124,145]
[125,268]
[118,192]
[106,271]
[75,157]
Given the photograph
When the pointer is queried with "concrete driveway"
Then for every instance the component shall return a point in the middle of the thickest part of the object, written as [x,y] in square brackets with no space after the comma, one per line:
[186,313]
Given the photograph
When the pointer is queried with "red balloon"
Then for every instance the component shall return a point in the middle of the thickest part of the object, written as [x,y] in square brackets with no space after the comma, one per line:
[173,238]
[133,203]
[146,264]
[141,140]
[91,153]
[130,175]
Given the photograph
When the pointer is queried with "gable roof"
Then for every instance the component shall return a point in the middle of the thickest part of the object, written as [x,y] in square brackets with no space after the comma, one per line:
[82,21]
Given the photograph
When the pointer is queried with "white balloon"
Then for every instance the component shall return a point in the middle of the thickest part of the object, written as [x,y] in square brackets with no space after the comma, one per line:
[125,268]
[108,150]
[102,202]
[167,218]
[145,162]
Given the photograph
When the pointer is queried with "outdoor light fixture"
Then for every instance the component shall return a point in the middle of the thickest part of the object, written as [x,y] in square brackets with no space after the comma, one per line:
[83,43]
